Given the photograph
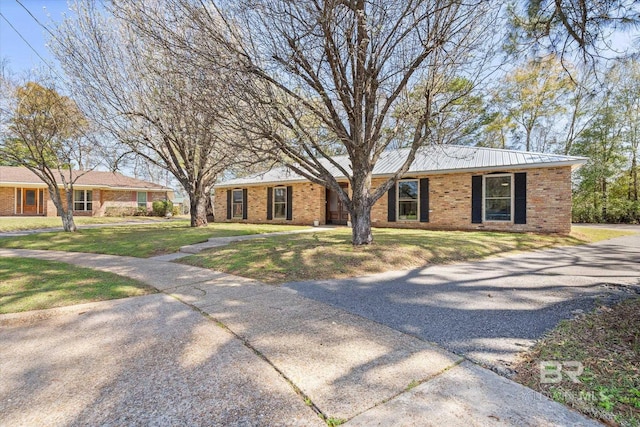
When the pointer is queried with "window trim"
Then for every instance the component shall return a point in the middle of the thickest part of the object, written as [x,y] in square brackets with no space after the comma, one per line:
[273,203]
[84,202]
[233,202]
[417,199]
[146,199]
[511,198]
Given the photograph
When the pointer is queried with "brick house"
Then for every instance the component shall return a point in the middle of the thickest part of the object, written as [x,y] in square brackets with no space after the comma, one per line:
[95,193]
[447,188]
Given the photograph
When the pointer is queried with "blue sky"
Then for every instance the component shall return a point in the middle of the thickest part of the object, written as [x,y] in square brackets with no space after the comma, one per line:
[21,57]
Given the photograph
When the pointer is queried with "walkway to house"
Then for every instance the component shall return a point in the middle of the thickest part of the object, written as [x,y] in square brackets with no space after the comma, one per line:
[154,360]
[215,242]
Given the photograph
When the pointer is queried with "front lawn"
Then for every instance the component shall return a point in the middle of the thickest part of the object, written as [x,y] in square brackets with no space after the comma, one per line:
[329,254]
[138,240]
[12,223]
[605,347]
[33,284]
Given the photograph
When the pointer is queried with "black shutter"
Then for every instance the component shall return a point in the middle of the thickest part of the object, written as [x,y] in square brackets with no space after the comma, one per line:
[476,199]
[424,200]
[269,203]
[520,191]
[244,203]
[228,204]
[289,203]
[391,204]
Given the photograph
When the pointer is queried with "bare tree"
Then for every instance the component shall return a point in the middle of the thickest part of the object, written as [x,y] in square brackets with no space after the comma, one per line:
[149,95]
[320,77]
[46,133]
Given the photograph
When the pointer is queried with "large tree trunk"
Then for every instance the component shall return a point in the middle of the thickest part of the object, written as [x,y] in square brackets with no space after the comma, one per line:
[66,214]
[67,221]
[361,226]
[198,202]
[360,208]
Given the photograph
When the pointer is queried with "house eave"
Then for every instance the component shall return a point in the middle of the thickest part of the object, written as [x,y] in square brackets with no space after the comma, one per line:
[82,186]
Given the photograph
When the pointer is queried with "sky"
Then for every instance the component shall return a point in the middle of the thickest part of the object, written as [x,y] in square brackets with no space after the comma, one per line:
[22,58]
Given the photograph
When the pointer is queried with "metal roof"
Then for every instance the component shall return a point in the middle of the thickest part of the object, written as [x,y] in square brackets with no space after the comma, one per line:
[429,160]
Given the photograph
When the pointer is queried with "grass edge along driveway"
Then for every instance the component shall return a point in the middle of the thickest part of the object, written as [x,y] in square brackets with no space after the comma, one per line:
[34,284]
[606,344]
[329,255]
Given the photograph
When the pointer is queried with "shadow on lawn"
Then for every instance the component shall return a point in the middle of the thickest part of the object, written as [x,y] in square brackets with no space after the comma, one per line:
[293,258]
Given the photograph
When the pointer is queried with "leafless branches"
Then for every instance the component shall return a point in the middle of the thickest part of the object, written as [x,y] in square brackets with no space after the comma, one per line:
[135,80]
[326,76]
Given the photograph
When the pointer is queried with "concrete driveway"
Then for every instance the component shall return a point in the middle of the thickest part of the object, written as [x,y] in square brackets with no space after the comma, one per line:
[148,360]
[490,310]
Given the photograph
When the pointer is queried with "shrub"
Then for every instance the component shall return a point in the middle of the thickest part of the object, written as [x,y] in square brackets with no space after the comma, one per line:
[161,207]
[618,212]
[141,211]
[120,211]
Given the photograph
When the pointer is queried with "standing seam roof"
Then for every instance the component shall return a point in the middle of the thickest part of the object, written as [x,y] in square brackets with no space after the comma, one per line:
[442,158]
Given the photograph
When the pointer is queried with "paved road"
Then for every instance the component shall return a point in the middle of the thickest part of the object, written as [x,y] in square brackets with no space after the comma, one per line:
[493,309]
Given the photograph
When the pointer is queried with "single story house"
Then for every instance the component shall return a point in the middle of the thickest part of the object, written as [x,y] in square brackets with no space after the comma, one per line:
[447,188]
[94,193]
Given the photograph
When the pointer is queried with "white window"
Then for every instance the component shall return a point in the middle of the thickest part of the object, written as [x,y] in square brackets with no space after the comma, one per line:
[280,203]
[237,207]
[142,199]
[408,199]
[82,200]
[498,197]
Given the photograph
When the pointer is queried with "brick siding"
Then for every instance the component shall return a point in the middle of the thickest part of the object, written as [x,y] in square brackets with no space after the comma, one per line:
[7,201]
[308,201]
[548,203]
[102,199]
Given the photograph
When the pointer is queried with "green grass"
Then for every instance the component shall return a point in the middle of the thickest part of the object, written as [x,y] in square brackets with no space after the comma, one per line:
[138,240]
[589,234]
[330,254]
[607,343]
[32,284]
[38,222]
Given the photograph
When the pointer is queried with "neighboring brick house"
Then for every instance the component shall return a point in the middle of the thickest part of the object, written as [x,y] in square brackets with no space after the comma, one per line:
[95,193]
[447,188]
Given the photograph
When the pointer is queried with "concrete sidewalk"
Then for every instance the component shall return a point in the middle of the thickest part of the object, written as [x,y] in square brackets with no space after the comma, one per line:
[345,366]
[215,242]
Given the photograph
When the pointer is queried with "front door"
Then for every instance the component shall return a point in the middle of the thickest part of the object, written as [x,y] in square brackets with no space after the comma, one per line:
[29,204]
[336,211]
